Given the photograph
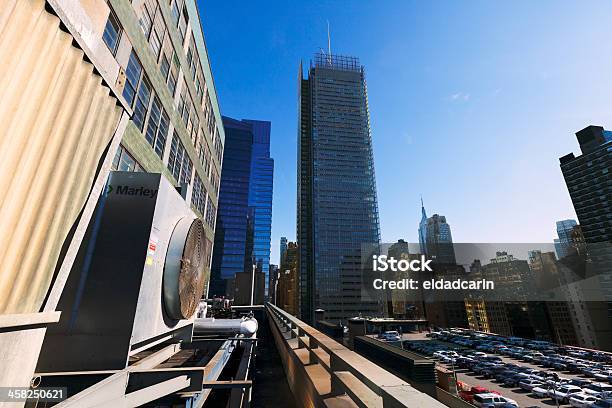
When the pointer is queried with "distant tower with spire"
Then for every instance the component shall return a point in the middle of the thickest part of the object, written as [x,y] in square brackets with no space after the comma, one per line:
[435,237]
[423,229]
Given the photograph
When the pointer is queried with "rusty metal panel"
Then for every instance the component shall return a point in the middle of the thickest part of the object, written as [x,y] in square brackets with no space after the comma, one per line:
[57,119]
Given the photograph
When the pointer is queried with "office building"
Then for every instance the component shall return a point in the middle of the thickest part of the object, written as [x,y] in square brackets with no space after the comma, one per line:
[563,243]
[487,316]
[337,210]
[242,239]
[548,276]
[287,291]
[272,283]
[435,238]
[283,249]
[587,177]
[588,181]
[401,303]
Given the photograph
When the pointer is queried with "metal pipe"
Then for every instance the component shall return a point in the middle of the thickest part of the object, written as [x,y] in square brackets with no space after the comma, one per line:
[246,326]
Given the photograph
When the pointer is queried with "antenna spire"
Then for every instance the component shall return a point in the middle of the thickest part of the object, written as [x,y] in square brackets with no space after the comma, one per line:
[328,43]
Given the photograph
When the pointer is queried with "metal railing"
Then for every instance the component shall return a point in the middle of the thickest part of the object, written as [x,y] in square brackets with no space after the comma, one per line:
[322,372]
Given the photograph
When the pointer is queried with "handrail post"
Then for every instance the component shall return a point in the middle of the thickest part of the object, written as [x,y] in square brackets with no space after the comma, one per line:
[336,364]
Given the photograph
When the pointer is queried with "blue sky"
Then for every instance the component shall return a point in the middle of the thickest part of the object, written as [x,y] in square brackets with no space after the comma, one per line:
[471,103]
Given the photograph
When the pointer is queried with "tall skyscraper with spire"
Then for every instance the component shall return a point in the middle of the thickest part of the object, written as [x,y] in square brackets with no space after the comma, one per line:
[423,229]
[337,210]
[435,238]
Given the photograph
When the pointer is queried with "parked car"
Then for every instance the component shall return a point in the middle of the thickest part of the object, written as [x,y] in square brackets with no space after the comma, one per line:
[582,400]
[590,371]
[501,377]
[603,375]
[529,383]
[469,394]
[479,368]
[515,379]
[596,389]
[489,372]
[491,400]
[540,391]
[391,335]
[579,382]
[563,393]
[531,356]
[464,362]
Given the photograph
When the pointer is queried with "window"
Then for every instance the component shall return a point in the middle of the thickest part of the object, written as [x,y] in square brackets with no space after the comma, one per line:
[198,195]
[201,147]
[157,127]
[142,103]
[155,41]
[203,88]
[124,161]
[176,7]
[172,78]
[132,73]
[190,54]
[112,33]
[152,23]
[182,24]
[194,129]
[158,33]
[192,58]
[218,145]
[182,100]
[146,20]
[187,112]
[214,180]
[164,66]
[210,117]
[179,163]
[208,157]
[211,213]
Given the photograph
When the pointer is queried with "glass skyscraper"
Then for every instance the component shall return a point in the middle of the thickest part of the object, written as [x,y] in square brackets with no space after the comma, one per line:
[337,210]
[244,217]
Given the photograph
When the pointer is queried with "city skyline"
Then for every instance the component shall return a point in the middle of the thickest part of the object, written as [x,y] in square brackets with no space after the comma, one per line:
[494,74]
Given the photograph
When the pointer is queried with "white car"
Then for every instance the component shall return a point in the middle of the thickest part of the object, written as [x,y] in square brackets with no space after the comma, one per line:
[603,375]
[529,383]
[596,389]
[490,400]
[563,393]
[581,400]
[391,335]
[541,391]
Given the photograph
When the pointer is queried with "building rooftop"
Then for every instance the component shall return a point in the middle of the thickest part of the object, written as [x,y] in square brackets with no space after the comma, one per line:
[336,62]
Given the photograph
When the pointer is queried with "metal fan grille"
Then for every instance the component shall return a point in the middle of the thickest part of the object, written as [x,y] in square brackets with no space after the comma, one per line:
[191,277]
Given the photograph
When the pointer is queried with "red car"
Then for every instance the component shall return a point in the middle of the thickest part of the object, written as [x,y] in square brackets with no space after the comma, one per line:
[469,395]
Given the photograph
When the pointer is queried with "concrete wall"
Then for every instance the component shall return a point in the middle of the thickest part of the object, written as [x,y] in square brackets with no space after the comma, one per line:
[417,371]
[451,400]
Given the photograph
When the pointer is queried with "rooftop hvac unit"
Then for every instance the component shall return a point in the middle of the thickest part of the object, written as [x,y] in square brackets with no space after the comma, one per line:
[138,279]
